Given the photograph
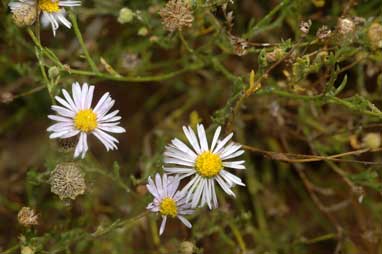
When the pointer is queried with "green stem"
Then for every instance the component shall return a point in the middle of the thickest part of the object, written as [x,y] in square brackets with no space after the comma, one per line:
[81,41]
[189,49]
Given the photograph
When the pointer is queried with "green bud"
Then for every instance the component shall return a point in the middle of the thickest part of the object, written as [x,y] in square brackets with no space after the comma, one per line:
[53,72]
[125,15]
[186,248]
[143,31]
[372,140]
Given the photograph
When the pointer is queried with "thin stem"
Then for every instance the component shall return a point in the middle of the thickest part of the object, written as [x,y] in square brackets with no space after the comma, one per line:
[82,43]
[304,158]
[189,49]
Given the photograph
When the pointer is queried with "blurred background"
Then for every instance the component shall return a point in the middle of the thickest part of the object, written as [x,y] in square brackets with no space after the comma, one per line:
[298,81]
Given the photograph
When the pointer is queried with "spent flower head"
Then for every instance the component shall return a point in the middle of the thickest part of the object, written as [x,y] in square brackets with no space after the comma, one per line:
[67,181]
[176,15]
[168,201]
[205,164]
[77,117]
[23,13]
[323,33]
[52,11]
[27,217]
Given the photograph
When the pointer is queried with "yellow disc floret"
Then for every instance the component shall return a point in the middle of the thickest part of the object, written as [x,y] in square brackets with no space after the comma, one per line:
[49,5]
[168,207]
[208,164]
[85,120]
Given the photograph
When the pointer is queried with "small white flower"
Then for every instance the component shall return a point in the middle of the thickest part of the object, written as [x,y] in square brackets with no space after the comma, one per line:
[52,11]
[206,165]
[77,117]
[167,200]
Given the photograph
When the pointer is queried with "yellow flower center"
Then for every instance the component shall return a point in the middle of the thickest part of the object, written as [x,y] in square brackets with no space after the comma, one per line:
[49,5]
[168,207]
[85,120]
[208,164]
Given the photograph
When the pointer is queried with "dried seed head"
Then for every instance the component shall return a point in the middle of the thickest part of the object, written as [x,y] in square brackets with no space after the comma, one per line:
[239,45]
[372,140]
[323,33]
[375,35]
[176,15]
[24,14]
[345,26]
[305,26]
[130,61]
[6,97]
[67,181]
[27,217]
[67,145]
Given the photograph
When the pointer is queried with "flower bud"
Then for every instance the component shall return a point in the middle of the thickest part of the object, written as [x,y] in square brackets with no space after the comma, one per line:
[125,15]
[372,140]
[186,247]
[375,35]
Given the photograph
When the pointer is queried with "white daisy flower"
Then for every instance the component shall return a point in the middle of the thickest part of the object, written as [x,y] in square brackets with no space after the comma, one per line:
[77,117]
[206,165]
[52,11]
[167,200]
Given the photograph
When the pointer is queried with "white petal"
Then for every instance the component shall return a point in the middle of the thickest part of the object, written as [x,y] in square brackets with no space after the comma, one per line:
[202,137]
[215,138]
[163,225]
[185,221]
[221,144]
[192,139]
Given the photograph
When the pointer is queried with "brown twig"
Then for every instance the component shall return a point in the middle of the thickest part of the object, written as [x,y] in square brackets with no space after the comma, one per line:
[304,158]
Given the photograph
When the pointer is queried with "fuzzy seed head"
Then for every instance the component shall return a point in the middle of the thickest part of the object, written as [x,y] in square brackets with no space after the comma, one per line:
[176,15]
[27,217]
[67,181]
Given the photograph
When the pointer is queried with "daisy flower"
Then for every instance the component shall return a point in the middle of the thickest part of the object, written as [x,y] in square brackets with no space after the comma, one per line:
[75,117]
[52,11]
[205,164]
[167,200]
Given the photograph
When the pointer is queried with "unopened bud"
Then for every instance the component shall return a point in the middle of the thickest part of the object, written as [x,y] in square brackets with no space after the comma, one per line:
[186,247]
[125,15]
[375,35]
[372,140]
[53,72]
